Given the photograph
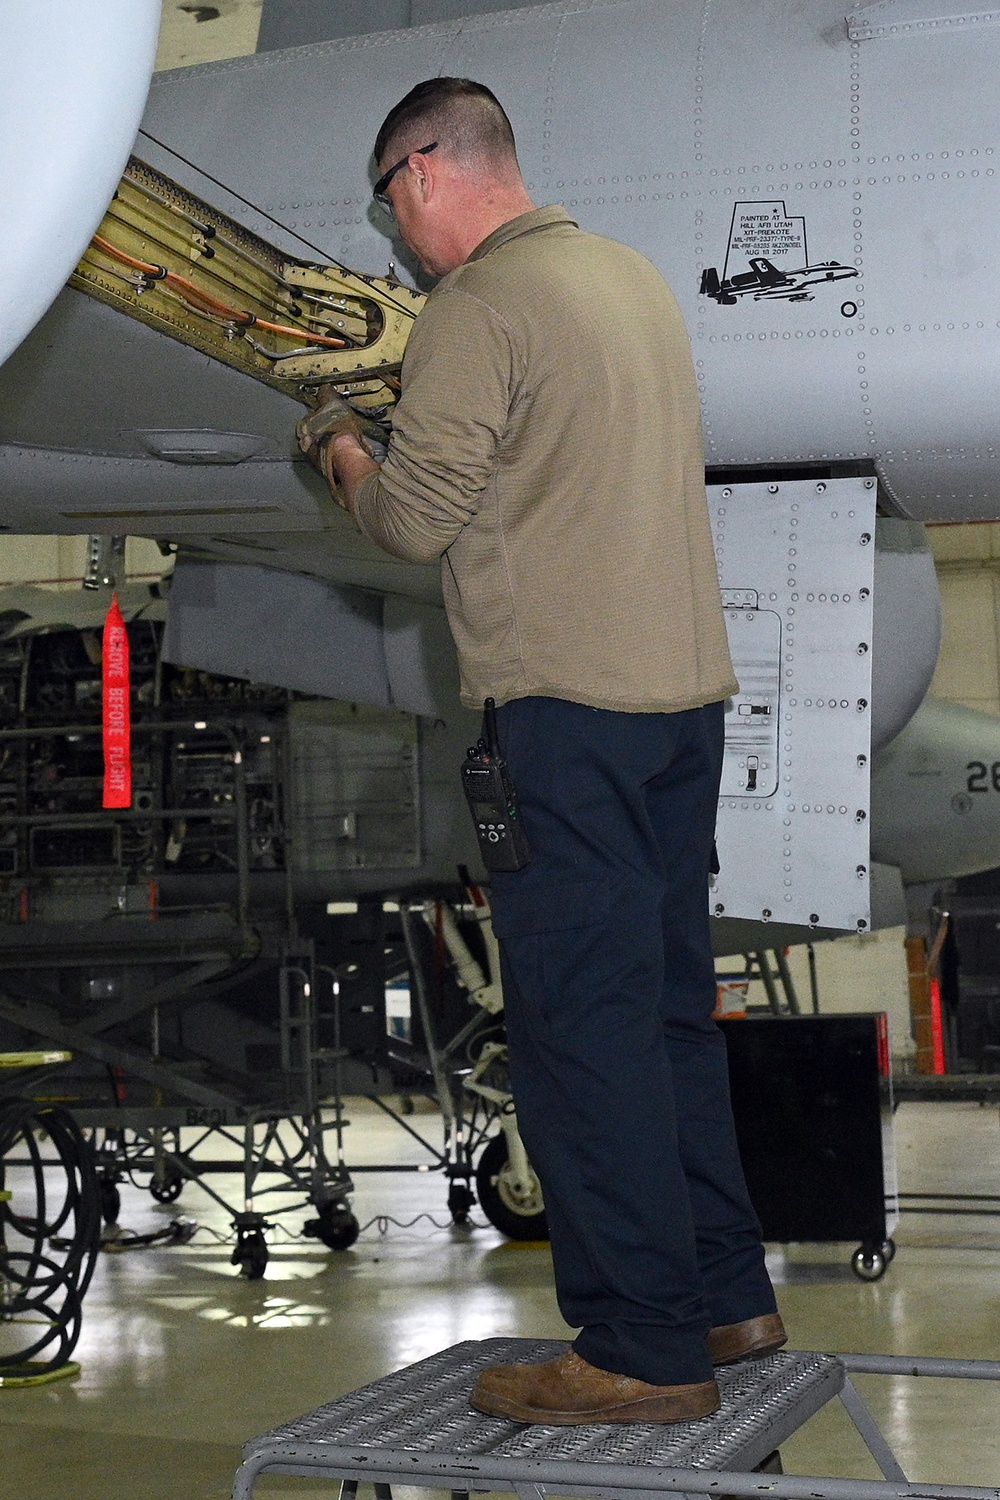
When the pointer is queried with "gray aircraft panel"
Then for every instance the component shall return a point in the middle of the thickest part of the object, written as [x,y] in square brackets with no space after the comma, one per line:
[709,140]
[297,23]
[336,555]
[278,628]
[932,228]
[796,566]
[906,625]
[912,77]
[115,378]
[758,417]
[248,620]
[310,169]
[83,492]
[936,793]
[758,100]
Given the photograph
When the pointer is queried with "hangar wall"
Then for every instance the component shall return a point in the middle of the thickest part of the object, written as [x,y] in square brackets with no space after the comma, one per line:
[60,561]
[967,558]
[207,33]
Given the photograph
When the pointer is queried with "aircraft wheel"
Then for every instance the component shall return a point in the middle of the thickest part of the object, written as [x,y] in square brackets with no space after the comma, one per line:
[517,1216]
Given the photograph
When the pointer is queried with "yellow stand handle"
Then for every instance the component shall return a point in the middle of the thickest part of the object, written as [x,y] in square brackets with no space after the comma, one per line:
[33,1059]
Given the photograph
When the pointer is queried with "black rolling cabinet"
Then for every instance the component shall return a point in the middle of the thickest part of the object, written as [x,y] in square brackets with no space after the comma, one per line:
[813,1107]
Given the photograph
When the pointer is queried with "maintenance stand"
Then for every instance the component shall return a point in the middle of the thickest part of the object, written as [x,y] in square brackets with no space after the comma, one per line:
[416,1427]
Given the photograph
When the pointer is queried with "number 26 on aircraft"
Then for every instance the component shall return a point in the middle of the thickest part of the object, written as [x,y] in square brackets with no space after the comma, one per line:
[982,777]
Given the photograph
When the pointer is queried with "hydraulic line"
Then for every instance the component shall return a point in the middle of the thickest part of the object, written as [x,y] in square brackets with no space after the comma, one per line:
[194,295]
[344,271]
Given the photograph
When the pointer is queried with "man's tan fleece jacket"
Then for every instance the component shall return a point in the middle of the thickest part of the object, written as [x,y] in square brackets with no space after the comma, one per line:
[547,447]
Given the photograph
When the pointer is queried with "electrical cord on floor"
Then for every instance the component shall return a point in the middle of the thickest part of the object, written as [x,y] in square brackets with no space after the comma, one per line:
[382,1222]
[179,1231]
[38,1287]
[183,1231]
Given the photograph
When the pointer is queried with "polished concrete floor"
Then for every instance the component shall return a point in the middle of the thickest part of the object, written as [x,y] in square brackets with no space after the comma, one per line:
[182,1360]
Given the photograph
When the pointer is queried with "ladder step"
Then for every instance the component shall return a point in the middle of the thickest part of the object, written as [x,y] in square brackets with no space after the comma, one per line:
[416,1425]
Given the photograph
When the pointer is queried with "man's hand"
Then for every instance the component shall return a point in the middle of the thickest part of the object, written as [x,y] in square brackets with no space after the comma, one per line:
[327,421]
[337,443]
[347,462]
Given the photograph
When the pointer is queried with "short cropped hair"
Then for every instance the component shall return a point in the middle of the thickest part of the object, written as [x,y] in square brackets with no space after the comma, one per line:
[465,118]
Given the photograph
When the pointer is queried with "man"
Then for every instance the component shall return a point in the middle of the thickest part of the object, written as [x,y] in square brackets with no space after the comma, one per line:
[547,447]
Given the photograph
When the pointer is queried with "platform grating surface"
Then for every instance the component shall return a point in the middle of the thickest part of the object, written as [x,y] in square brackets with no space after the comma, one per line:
[425,1409]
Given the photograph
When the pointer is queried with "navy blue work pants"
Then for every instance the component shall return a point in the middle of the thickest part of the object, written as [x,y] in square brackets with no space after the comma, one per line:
[619,1073]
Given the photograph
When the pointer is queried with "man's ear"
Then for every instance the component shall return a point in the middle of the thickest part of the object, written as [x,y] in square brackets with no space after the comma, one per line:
[424,170]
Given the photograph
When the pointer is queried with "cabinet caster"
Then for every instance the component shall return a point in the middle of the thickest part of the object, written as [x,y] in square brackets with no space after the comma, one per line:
[870,1263]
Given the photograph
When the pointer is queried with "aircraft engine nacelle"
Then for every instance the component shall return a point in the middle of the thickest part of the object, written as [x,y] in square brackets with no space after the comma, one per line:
[906,626]
[935,807]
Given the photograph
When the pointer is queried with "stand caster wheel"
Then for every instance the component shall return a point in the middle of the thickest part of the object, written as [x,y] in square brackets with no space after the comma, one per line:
[111,1200]
[167,1189]
[336,1227]
[250,1253]
[869,1263]
[889,1251]
[460,1199]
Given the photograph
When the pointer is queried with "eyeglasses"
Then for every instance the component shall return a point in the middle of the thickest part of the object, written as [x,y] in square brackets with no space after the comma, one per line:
[378,191]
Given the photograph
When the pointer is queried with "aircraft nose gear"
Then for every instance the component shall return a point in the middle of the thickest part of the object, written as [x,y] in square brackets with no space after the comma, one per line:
[511,1199]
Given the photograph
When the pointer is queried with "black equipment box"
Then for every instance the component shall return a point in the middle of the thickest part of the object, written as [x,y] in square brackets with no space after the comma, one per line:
[813,1107]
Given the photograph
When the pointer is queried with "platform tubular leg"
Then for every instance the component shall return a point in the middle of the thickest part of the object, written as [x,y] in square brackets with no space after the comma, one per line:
[383,1492]
[454,1152]
[766,977]
[246,1476]
[787,982]
[870,1432]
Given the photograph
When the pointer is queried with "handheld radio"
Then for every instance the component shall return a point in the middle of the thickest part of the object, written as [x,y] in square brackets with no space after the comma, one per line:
[492,801]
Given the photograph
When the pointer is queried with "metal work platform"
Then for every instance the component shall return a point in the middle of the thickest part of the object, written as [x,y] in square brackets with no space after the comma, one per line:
[416,1427]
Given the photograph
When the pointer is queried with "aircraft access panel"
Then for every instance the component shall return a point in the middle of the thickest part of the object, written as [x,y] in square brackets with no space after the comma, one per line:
[796,564]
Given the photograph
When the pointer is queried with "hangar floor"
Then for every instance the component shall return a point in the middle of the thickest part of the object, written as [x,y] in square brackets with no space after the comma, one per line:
[182,1360]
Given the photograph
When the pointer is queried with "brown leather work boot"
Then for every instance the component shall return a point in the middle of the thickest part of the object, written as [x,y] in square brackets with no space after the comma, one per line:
[568,1392]
[750,1339]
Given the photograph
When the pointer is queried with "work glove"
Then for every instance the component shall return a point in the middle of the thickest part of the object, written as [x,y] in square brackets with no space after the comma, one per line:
[329,420]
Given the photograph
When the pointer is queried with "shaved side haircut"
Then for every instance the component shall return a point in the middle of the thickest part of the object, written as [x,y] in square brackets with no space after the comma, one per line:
[465,118]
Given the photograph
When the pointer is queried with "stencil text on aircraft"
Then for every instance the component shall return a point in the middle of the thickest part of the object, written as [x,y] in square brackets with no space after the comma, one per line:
[764,229]
[767,260]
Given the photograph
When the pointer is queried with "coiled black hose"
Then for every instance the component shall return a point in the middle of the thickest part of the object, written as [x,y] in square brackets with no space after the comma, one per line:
[50,1233]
